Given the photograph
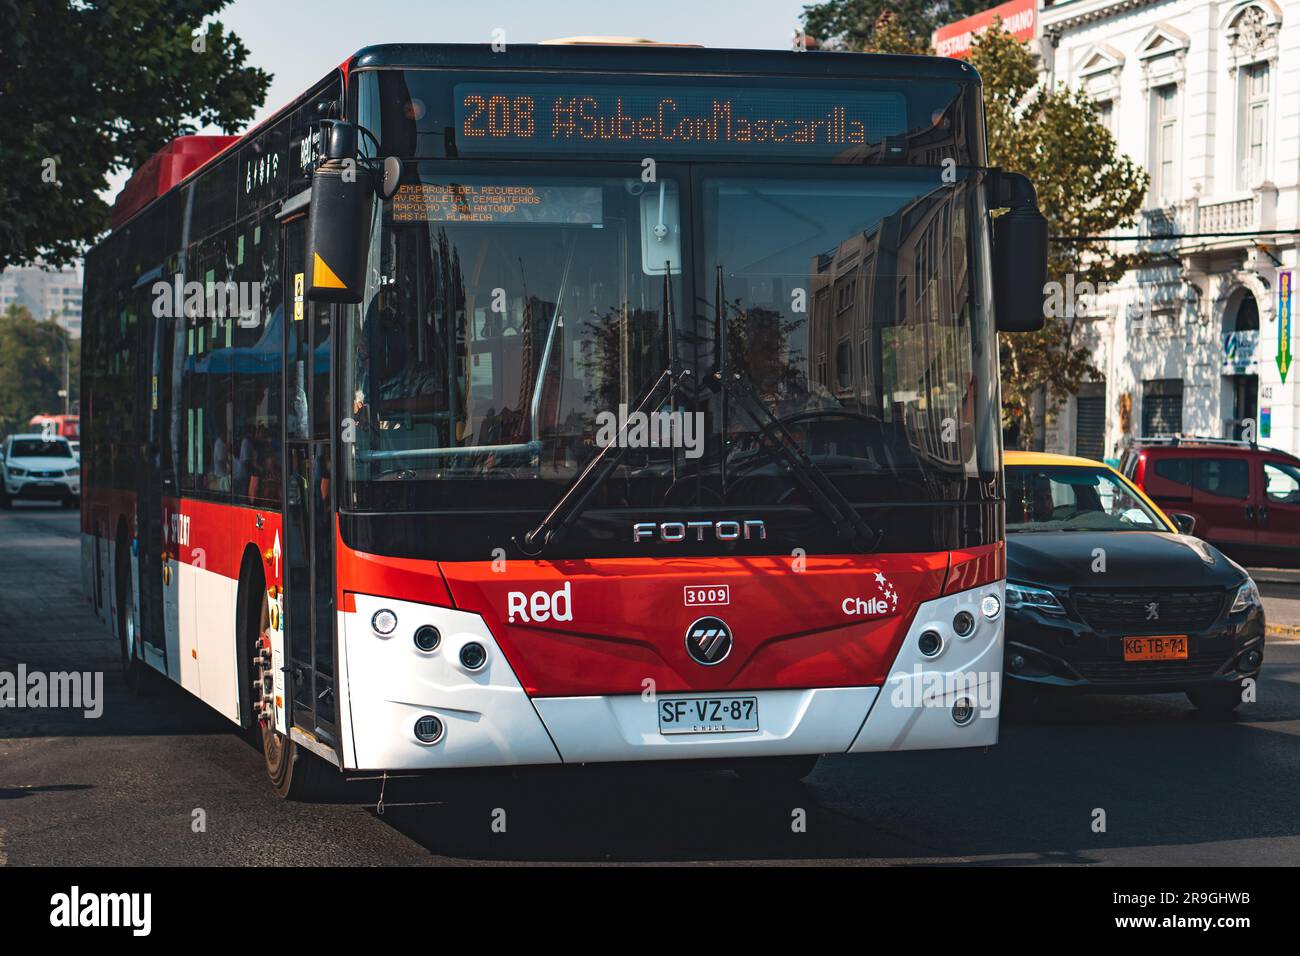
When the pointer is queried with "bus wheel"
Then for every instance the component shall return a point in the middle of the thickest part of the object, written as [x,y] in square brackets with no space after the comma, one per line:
[296,773]
[134,672]
[775,771]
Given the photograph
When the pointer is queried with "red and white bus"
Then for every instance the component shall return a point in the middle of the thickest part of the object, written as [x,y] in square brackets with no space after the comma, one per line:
[563,404]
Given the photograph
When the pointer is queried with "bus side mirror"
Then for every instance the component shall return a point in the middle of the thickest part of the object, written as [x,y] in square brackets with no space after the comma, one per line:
[1019,254]
[342,208]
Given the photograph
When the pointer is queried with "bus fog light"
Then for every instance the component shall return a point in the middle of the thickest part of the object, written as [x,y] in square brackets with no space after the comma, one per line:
[963,712]
[991,606]
[930,643]
[427,638]
[428,729]
[964,623]
[1016,662]
[473,656]
[1250,660]
[384,622]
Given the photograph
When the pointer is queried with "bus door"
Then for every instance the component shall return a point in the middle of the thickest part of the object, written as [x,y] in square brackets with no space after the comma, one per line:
[308,507]
[155,355]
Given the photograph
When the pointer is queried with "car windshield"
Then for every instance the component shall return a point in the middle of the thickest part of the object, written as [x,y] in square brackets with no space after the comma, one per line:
[515,318]
[1074,498]
[40,448]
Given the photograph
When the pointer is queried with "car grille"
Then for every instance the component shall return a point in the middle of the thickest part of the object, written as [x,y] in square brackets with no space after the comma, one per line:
[1125,612]
[47,474]
[1142,672]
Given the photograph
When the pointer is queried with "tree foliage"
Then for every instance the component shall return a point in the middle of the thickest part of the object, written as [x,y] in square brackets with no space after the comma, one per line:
[1085,188]
[90,87]
[31,367]
[855,24]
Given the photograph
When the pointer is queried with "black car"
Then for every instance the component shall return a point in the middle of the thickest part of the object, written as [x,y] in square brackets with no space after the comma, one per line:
[1104,594]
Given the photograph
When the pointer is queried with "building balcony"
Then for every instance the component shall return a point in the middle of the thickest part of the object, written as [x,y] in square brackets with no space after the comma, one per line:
[1211,223]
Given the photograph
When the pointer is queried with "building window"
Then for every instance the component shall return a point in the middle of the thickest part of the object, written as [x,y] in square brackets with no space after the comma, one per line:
[1164,143]
[1162,407]
[1106,114]
[1252,124]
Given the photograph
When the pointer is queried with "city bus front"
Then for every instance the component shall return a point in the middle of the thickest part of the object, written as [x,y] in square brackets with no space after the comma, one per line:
[670,411]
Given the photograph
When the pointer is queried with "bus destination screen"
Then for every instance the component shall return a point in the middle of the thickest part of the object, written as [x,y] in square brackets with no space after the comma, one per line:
[498,203]
[539,118]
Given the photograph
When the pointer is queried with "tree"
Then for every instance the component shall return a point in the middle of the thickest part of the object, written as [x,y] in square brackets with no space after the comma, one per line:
[1085,188]
[854,24]
[90,87]
[31,367]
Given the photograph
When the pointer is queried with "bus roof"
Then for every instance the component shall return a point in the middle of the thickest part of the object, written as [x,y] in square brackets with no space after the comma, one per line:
[653,57]
[185,156]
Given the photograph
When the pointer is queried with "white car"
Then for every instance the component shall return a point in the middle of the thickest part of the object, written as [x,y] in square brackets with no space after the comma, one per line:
[39,468]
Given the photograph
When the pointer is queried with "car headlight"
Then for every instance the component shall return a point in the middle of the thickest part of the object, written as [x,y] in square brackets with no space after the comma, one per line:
[73,473]
[1247,597]
[1040,599]
[17,472]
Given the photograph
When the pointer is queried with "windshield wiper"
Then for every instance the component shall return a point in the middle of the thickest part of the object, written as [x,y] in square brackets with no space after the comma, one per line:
[569,506]
[781,445]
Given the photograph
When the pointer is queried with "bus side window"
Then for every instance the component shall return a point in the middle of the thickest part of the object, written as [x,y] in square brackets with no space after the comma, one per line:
[255,471]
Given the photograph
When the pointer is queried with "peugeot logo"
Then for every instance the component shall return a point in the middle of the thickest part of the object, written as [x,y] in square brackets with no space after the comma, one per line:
[708,641]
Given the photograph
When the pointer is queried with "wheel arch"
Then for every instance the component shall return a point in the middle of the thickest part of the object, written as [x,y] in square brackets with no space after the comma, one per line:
[252,586]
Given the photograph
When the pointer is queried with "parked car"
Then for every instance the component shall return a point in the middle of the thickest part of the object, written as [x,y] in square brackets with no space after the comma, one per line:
[1106,593]
[1245,497]
[39,467]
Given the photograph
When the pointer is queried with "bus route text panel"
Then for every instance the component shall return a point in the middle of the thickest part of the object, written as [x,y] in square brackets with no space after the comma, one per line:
[567,118]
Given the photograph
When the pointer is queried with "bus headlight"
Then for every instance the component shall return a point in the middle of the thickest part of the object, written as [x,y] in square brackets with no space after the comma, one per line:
[384,622]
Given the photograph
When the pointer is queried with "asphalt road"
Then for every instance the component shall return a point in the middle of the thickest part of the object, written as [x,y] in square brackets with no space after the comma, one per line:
[1175,789]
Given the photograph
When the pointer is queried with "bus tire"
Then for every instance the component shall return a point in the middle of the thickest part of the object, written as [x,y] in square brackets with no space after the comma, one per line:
[295,772]
[135,674]
[776,771]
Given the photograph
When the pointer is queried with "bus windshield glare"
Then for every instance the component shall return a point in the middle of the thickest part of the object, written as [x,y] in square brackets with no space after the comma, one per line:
[515,318]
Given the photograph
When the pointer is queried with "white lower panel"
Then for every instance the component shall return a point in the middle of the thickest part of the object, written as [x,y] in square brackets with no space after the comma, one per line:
[812,721]
[390,684]
[208,665]
[914,709]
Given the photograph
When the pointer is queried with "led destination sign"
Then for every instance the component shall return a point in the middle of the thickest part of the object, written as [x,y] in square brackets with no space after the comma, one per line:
[568,118]
[497,202]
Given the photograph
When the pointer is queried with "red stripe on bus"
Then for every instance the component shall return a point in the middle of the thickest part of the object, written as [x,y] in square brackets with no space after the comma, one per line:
[975,567]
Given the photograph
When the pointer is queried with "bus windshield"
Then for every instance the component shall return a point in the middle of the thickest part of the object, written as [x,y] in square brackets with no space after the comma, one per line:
[514,321]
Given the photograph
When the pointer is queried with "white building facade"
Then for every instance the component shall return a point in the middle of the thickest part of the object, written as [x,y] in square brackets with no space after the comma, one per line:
[45,293]
[1205,94]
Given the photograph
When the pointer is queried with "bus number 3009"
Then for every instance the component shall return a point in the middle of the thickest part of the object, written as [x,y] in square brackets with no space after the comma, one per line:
[503,115]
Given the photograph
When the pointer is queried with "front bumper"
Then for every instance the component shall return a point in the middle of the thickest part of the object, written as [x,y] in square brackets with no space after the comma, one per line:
[42,489]
[490,720]
[1059,652]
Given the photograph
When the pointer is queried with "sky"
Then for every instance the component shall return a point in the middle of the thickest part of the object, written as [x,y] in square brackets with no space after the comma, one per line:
[300,41]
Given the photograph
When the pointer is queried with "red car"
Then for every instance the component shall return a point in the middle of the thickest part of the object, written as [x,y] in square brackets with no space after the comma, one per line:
[1245,498]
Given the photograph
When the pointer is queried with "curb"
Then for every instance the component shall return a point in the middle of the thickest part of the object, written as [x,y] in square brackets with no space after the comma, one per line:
[1275,575]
